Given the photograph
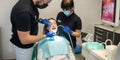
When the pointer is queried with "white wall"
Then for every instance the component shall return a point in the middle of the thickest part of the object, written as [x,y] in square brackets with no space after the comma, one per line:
[88,10]
[5,9]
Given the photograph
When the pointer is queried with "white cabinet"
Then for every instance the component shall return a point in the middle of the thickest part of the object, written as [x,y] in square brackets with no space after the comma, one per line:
[88,56]
[0,46]
[93,54]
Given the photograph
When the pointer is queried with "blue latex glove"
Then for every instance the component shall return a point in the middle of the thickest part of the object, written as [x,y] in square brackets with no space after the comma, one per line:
[50,34]
[67,29]
[45,21]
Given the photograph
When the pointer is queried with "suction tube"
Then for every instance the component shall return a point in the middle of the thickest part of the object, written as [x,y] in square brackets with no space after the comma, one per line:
[69,36]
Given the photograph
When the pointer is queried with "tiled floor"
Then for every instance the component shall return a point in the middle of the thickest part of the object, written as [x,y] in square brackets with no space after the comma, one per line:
[79,57]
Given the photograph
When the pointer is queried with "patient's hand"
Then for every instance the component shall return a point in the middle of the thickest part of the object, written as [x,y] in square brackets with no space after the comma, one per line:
[50,34]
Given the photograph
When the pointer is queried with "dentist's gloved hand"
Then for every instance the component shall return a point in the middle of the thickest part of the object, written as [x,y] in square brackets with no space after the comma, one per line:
[45,21]
[50,34]
[67,29]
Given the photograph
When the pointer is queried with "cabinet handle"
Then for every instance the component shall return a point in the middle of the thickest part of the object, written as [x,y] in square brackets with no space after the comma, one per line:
[99,33]
[99,41]
[99,29]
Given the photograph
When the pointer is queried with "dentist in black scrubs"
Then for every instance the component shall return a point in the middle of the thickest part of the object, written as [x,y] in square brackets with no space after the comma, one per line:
[24,21]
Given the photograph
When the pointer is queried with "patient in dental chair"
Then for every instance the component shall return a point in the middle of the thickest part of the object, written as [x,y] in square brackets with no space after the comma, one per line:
[54,48]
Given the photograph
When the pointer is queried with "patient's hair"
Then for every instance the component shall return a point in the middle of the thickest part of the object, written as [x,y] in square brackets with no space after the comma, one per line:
[45,30]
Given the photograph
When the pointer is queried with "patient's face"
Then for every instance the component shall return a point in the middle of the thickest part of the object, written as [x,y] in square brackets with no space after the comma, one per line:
[53,26]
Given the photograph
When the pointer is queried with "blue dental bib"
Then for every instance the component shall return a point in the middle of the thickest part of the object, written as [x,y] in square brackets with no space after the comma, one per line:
[57,46]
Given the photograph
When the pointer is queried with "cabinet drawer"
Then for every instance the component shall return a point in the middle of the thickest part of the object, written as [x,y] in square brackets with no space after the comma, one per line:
[116,38]
[101,34]
[100,31]
[100,38]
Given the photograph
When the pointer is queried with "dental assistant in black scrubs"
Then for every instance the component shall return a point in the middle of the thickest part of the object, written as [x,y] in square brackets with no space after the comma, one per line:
[70,21]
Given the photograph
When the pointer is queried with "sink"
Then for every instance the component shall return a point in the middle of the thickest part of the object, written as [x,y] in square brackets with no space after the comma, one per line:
[94,45]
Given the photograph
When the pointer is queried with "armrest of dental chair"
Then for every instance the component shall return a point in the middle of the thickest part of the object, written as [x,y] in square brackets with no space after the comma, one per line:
[83,34]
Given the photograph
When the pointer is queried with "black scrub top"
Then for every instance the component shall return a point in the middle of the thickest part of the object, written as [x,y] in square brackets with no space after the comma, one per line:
[24,17]
[73,22]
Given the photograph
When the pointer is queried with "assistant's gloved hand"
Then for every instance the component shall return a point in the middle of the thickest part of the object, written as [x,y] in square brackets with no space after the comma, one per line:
[50,34]
[67,29]
[45,21]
